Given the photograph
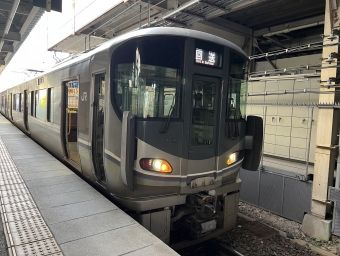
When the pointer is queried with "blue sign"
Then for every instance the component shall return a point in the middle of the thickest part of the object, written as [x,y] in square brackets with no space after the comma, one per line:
[73,84]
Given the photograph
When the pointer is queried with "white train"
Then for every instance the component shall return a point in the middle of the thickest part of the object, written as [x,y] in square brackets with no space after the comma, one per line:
[156,118]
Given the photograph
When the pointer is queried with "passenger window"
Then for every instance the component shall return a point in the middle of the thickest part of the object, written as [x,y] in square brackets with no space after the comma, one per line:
[32,104]
[50,105]
[10,104]
[73,94]
[14,101]
[36,100]
[17,102]
[41,104]
[22,103]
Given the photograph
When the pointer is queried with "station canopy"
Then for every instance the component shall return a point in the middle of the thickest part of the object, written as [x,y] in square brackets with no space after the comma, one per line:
[274,24]
[17,19]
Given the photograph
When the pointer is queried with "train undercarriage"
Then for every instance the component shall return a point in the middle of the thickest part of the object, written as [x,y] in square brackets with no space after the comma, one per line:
[203,216]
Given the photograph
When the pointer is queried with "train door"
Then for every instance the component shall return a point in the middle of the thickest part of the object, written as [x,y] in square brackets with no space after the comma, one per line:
[2,103]
[10,106]
[204,125]
[70,120]
[25,104]
[98,126]
[6,105]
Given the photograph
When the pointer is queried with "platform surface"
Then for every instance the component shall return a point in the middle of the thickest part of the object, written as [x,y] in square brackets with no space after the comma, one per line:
[48,210]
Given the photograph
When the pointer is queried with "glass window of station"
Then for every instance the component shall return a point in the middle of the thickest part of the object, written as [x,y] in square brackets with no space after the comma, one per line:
[147,76]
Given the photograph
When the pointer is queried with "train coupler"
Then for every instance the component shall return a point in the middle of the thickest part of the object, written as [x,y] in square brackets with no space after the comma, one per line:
[205,218]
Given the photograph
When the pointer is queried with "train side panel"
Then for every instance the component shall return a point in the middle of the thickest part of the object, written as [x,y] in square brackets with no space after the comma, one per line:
[46,132]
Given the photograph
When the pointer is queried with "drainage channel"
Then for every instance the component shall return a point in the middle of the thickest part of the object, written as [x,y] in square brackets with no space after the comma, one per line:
[25,230]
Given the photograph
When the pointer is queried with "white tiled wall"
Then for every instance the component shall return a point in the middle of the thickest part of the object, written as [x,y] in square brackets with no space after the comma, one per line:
[287,128]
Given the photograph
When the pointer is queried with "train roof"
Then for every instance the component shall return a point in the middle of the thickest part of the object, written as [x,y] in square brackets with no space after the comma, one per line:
[161,31]
[165,31]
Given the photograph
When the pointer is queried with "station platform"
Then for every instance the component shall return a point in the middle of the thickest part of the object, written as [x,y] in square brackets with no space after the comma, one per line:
[46,209]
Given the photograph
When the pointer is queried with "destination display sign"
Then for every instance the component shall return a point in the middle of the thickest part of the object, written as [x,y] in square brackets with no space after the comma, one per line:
[208,58]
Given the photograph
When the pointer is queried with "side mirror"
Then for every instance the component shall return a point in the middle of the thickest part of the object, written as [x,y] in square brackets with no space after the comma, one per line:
[127,149]
[253,143]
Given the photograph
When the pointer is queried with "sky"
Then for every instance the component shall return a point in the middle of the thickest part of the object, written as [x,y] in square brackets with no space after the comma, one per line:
[32,54]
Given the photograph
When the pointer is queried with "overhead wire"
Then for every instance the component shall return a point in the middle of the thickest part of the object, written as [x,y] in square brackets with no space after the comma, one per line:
[116,26]
[94,30]
[314,45]
[288,50]
[132,18]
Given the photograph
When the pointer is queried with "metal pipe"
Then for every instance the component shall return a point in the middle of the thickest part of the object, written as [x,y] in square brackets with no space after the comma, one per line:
[309,139]
[193,14]
[287,77]
[213,6]
[287,30]
[149,13]
[181,8]
[171,13]
[74,17]
[270,62]
[9,21]
[337,177]
[264,134]
[140,16]
[11,16]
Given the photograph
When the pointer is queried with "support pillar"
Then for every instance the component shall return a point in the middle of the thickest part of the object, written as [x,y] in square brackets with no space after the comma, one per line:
[327,130]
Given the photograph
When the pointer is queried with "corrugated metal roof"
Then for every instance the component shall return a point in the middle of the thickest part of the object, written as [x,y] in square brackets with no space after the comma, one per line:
[24,20]
[271,13]
[258,15]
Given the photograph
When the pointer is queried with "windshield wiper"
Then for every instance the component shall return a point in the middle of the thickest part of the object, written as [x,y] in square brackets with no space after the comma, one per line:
[167,121]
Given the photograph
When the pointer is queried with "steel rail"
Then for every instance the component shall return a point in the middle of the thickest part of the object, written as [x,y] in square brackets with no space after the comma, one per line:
[224,249]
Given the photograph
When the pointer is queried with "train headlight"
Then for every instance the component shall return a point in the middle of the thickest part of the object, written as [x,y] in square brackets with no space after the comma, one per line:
[234,157]
[157,165]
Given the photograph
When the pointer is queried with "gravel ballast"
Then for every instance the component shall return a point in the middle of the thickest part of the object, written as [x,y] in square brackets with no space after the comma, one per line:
[287,238]
[246,242]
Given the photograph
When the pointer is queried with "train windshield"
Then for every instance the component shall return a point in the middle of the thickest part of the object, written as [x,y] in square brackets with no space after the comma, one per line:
[237,91]
[147,76]
[237,94]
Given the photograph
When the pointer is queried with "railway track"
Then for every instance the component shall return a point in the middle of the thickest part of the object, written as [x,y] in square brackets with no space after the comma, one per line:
[210,247]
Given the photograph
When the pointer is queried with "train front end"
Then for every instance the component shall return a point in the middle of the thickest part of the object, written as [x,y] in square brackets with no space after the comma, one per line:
[180,98]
